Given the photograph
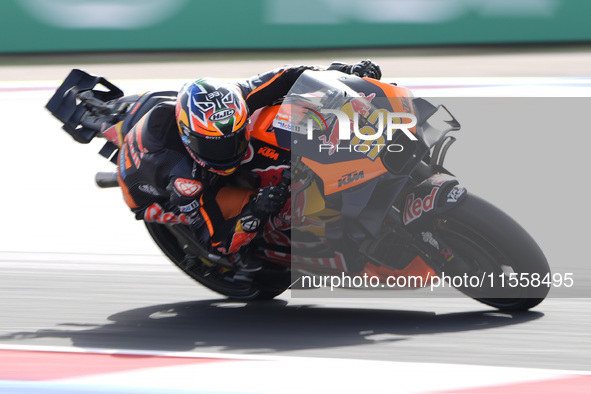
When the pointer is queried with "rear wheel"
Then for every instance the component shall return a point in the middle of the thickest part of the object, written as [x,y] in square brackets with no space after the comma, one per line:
[490,245]
[213,277]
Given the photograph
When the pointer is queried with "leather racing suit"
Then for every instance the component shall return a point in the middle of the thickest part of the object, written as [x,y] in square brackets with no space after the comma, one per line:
[162,183]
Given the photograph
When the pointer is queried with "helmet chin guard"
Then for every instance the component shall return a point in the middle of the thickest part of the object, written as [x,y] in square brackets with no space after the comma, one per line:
[212,117]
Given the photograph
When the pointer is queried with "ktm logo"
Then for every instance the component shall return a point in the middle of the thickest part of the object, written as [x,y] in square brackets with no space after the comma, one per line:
[352,177]
[268,152]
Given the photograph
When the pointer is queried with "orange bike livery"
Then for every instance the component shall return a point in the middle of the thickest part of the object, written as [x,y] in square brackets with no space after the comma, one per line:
[370,199]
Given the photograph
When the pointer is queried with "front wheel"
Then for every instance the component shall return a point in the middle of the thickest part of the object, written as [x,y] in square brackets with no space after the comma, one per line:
[490,245]
[215,278]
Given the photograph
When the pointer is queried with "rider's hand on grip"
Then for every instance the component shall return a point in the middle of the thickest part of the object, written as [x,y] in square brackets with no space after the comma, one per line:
[270,200]
[366,68]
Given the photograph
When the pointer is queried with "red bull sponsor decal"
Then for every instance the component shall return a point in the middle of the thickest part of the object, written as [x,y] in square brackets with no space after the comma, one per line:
[415,207]
[370,138]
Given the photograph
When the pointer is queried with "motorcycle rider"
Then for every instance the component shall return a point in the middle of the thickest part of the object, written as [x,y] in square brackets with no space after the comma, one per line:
[174,161]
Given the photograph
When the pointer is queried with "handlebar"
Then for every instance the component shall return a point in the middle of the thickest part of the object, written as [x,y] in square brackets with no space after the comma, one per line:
[87,97]
[285,178]
[97,112]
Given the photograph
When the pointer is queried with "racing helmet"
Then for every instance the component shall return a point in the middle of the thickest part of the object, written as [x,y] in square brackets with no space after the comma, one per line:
[212,117]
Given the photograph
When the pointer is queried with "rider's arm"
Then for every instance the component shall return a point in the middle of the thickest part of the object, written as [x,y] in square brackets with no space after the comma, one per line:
[264,89]
[225,222]
[229,219]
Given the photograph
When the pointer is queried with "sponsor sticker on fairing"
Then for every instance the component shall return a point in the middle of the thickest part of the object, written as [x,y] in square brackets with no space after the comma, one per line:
[286,124]
[456,193]
[428,238]
[268,152]
[415,207]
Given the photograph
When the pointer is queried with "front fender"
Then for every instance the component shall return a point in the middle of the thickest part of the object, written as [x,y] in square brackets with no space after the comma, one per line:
[430,198]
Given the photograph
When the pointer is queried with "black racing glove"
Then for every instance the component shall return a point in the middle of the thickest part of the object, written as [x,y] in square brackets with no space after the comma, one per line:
[365,68]
[270,200]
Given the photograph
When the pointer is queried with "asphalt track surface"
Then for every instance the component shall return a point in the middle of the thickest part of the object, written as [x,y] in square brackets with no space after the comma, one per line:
[77,271]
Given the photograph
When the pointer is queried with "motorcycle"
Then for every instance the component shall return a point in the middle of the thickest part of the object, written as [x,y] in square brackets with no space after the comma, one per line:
[362,203]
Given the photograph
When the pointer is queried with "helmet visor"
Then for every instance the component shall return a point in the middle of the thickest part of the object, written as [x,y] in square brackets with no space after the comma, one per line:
[220,152]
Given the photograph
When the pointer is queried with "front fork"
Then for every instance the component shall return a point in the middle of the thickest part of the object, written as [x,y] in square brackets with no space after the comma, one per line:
[418,218]
[426,242]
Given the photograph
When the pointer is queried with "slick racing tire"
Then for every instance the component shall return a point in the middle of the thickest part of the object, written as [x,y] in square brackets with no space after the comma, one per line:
[214,279]
[491,245]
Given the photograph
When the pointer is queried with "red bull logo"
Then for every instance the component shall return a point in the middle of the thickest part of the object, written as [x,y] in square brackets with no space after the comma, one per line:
[331,141]
[345,127]
[362,105]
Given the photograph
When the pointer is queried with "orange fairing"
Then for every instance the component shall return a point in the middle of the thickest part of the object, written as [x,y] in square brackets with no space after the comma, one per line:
[232,200]
[417,269]
[331,174]
[399,97]
[263,119]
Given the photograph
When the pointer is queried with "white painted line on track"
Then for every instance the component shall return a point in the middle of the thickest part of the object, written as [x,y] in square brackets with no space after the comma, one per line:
[427,87]
[277,373]
[250,357]
[280,374]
